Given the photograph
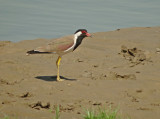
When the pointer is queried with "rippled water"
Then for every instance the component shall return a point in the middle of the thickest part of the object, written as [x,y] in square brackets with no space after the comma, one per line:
[31,19]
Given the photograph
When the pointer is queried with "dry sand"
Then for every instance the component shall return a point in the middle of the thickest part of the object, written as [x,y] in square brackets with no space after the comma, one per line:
[119,68]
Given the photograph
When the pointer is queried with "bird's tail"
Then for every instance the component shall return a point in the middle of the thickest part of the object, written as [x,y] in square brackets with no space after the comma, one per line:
[33,52]
[39,50]
[36,52]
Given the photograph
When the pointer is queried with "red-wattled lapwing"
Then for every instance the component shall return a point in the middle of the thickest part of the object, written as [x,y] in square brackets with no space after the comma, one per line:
[62,46]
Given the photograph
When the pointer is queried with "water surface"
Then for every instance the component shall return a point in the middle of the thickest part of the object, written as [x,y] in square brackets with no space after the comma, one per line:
[31,19]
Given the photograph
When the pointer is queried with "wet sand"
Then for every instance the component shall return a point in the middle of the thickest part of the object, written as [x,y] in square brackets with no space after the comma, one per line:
[120,68]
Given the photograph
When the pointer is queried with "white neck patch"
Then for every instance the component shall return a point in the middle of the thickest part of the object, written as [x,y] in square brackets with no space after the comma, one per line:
[78,33]
[75,39]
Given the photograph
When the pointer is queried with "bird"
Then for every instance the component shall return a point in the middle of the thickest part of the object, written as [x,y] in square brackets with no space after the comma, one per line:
[62,46]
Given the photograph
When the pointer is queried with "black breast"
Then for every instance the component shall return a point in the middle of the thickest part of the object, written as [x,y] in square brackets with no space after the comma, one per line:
[78,42]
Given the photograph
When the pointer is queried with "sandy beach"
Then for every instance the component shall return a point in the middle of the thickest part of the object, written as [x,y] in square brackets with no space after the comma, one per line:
[120,68]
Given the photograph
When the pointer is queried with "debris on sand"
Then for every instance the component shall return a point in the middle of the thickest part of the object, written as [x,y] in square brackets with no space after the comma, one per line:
[65,108]
[134,55]
[25,95]
[114,76]
[97,103]
[3,81]
[38,105]
[158,50]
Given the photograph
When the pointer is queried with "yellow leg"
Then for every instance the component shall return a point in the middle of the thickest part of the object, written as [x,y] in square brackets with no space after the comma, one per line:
[58,63]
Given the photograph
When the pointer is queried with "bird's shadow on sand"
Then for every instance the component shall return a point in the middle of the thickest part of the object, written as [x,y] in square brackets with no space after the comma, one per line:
[53,78]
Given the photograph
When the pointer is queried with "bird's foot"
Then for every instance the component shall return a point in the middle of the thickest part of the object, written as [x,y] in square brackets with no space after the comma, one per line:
[59,79]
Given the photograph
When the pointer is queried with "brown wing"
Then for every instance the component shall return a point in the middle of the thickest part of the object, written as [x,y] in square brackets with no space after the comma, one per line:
[58,45]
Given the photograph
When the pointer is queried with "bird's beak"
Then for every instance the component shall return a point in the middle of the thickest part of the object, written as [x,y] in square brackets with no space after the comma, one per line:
[88,35]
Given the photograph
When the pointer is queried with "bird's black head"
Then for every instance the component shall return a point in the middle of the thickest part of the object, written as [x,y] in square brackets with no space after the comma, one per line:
[80,30]
[83,33]
[80,34]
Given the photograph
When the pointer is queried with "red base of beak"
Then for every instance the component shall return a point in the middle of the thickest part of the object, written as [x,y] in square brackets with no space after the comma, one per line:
[88,35]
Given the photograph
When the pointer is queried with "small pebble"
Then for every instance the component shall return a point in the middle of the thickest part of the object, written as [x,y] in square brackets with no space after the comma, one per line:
[158,50]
